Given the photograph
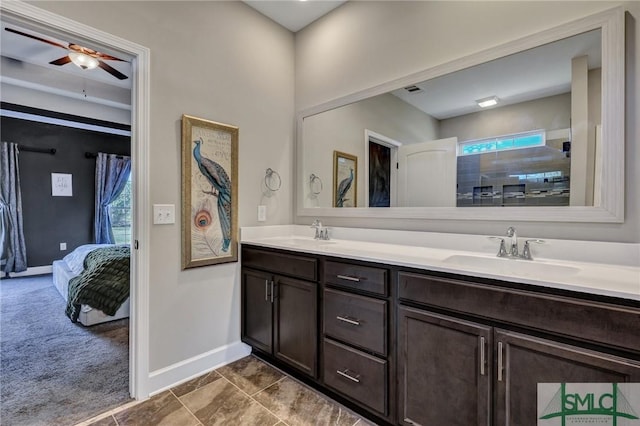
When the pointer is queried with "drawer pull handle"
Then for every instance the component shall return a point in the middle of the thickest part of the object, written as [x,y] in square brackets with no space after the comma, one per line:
[348,320]
[483,360]
[349,278]
[500,362]
[349,376]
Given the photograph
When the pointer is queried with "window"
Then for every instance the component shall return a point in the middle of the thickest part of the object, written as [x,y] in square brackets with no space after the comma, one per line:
[120,215]
[502,143]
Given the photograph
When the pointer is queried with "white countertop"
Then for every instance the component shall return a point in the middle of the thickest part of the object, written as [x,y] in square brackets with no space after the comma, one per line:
[608,269]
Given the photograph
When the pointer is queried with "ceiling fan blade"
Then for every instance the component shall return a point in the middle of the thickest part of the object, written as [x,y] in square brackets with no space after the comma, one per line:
[11,30]
[114,72]
[62,61]
[106,57]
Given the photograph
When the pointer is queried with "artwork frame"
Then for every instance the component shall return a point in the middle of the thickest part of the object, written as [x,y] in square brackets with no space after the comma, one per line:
[209,192]
[343,166]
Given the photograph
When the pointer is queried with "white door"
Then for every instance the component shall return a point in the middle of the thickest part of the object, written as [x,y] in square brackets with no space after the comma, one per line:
[427,174]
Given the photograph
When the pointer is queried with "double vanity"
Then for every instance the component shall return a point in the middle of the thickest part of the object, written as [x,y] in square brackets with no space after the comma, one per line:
[423,328]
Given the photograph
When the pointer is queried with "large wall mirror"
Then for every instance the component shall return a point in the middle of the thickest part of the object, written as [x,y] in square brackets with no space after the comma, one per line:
[531,130]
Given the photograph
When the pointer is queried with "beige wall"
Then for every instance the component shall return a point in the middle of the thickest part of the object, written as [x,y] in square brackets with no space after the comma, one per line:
[550,113]
[221,61]
[342,129]
[363,44]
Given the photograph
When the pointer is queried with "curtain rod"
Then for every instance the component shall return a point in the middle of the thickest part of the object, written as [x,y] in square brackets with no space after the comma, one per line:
[93,155]
[51,151]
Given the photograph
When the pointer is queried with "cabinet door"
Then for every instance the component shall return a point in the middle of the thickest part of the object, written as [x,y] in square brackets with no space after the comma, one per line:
[526,361]
[444,370]
[296,319]
[257,310]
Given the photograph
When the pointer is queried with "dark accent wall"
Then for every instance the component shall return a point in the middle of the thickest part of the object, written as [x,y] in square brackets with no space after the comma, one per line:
[48,220]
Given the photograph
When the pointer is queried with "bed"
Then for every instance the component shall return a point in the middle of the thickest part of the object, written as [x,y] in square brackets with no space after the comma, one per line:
[98,275]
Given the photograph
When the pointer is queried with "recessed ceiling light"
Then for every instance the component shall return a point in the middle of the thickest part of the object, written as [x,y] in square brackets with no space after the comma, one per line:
[487,102]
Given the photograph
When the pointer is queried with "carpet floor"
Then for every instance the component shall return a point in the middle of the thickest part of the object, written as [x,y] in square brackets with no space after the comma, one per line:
[54,372]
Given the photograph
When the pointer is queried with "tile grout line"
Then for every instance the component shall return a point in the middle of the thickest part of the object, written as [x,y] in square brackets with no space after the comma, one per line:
[309,388]
[255,400]
[186,408]
[108,413]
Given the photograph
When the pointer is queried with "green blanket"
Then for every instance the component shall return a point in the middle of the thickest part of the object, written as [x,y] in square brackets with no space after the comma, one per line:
[103,284]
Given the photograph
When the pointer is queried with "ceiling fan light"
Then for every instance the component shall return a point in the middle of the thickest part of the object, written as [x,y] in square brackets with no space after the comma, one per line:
[487,102]
[82,60]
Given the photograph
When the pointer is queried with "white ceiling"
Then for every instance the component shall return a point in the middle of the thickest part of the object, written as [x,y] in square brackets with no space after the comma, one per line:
[539,72]
[294,14]
[29,51]
[532,74]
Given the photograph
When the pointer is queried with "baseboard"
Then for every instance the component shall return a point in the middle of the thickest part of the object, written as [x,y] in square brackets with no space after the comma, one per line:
[36,270]
[183,371]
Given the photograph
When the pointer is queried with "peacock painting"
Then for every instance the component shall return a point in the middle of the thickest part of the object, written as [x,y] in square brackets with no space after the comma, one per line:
[209,192]
[220,188]
[345,172]
[343,188]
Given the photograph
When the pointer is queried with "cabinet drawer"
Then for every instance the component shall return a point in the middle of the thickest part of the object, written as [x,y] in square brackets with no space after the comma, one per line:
[281,263]
[355,319]
[593,321]
[356,374]
[365,278]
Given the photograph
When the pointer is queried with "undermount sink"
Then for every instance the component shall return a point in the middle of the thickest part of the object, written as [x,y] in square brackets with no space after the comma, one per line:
[506,266]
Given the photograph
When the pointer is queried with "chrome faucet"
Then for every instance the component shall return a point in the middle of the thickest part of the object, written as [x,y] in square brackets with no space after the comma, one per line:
[513,252]
[321,233]
[513,246]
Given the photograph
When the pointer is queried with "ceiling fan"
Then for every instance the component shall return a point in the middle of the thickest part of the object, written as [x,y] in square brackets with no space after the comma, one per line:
[81,56]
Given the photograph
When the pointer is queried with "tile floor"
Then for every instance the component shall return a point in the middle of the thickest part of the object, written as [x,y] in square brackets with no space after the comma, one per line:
[246,392]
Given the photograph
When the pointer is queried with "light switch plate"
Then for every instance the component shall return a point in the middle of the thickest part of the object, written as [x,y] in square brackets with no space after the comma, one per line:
[262,213]
[164,214]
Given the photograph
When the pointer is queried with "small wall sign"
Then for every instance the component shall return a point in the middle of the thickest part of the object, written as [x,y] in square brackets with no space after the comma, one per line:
[61,185]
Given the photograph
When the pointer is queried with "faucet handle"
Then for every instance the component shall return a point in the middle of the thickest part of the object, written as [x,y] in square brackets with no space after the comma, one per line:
[526,250]
[502,251]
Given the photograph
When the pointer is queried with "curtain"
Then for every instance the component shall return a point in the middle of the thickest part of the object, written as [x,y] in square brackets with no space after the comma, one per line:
[13,251]
[112,172]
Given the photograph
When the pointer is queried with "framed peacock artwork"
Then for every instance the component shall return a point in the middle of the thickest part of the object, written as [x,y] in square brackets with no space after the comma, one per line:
[209,192]
[345,179]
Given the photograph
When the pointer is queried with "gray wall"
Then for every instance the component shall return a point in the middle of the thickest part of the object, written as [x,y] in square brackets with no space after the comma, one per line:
[48,220]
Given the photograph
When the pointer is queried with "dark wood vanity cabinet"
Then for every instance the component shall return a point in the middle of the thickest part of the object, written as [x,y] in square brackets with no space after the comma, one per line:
[456,371]
[444,370]
[279,312]
[528,360]
[356,331]
[411,347]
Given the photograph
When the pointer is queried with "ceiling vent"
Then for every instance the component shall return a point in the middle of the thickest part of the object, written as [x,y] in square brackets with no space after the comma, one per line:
[413,89]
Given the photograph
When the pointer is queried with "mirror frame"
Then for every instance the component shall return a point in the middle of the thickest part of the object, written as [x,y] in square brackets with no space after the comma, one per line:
[611,209]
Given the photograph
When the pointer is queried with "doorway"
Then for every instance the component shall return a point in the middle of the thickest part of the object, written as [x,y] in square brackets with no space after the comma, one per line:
[381,170]
[29,16]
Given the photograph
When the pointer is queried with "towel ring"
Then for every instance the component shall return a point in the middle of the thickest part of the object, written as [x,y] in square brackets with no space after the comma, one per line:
[313,179]
[269,176]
